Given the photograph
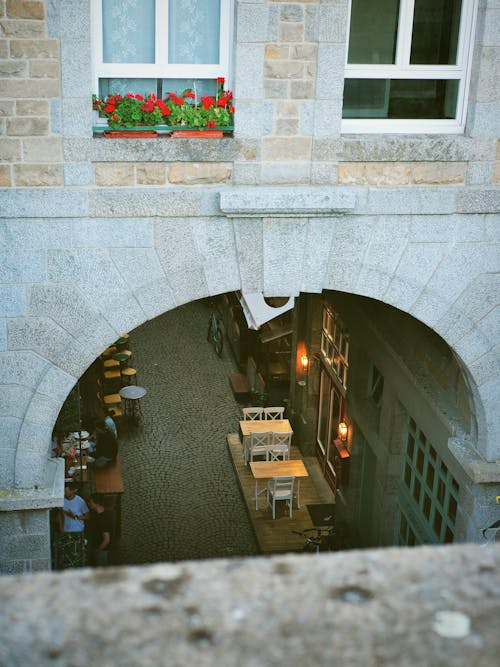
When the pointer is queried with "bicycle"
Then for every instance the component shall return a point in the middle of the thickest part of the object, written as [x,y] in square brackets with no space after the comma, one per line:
[318,539]
[214,334]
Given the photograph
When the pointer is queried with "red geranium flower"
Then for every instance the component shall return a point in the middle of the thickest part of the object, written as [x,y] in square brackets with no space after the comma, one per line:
[114,117]
[220,79]
[190,94]
[207,102]
[211,123]
[231,109]
[109,108]
[139,97]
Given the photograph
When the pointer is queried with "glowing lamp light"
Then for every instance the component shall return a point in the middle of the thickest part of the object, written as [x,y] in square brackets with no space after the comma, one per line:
[304,362]
[343,431]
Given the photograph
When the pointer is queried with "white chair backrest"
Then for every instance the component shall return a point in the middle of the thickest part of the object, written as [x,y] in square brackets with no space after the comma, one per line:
[260,439]
[274,413]
[282,439]
[251,414]
[277,453]
[283,486]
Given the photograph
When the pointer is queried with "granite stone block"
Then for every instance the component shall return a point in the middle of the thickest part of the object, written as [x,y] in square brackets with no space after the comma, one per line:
[14,401]
[18,265]
[479,200]
[9,432]
[255,119]
[253,24]
[3,334]
[38,422]
[284,243]
[77,116]
[112,233]
[410,201]
[285,173]
[417,264]
[131,203]
[78,173]
[56,116]
[285,201]
[7,462]
[246,174]
[324,173]
[56,384]
[43,202]
[139,267]
[23,368]
[76,68]
[176,252]
[65,304]
[188,286]
[249,72]
[332,23]
[12,300]
[214,238]
[74,20]
[320,233]
[327,119]
[35,233]
[155,297]
[331,60]
[248,234]
[41,335]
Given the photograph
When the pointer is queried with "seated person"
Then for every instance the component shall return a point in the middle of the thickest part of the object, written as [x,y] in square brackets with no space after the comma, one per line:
[106,446]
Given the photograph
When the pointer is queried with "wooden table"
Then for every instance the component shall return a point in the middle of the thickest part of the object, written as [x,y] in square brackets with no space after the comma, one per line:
[268,469]
[262,425]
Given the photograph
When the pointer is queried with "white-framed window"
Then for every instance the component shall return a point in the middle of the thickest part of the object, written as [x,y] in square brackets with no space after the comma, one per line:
[408,65]
[145,46]
[335,346]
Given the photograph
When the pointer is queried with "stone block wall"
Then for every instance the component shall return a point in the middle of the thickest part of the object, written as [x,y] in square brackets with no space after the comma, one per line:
[30,75]
[288,204]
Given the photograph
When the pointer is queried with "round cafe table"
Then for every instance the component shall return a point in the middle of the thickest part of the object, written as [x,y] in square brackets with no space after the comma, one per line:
[131,396]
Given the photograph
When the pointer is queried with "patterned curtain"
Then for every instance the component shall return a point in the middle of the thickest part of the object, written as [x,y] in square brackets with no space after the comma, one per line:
[193,31]
[128,31]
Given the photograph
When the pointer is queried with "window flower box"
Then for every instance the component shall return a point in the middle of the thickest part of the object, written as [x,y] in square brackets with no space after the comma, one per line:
[133,113]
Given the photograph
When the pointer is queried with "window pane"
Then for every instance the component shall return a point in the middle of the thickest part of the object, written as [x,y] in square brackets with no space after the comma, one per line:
[435,32]
[430,476]
[193,31]
[373,31]
[128,31]
[400,98]
[202,86]
[124,86]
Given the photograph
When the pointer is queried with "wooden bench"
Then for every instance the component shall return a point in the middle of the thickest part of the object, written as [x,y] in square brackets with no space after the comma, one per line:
[239,385]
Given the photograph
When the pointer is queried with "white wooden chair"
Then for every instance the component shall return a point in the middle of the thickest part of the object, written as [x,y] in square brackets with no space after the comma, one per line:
[279,449]
[257,445]
[252,414]
[274,413]
[280,488]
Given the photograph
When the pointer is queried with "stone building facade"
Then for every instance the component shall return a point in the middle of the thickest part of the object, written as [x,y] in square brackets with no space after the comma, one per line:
[100,235]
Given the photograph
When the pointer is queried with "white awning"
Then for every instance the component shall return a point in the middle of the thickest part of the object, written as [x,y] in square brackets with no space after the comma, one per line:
[258,312]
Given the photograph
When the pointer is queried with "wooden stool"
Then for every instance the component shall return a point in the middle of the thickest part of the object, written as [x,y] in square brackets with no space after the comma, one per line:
[111,363]
[113,378]
[122,342]
[129,376]
[121,358]
[108,352]
[112,399]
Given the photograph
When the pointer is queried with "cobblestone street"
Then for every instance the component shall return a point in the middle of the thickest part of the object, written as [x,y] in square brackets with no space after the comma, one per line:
[181,499]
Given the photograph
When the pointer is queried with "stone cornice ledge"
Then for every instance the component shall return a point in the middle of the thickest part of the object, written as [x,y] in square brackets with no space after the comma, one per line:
[285,202]
[49,495]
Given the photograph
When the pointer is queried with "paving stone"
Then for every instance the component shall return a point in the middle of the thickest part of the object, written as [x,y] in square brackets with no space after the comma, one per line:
[182,499]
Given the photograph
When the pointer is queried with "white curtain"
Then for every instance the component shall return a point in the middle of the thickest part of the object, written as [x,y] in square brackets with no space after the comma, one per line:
[128,31]
[193,31]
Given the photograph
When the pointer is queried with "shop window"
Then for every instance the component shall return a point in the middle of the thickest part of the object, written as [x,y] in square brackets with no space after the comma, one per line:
[429,488]
[145,46]
[408,65]
[335,345]
[376,386]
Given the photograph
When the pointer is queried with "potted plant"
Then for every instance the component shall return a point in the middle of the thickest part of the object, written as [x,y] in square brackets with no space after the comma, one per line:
[182,115]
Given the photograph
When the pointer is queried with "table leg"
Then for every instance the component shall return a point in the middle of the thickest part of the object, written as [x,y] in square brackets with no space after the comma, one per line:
[256,494]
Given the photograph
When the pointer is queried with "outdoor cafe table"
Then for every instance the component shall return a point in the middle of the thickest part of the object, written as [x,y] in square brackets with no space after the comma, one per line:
[268,469]
[262,425]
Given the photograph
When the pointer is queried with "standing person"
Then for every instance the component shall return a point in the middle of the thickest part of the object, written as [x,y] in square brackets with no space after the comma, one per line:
[101,531]
[72,525]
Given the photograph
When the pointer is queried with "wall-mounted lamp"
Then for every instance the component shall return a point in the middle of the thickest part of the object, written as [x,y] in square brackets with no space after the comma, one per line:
[343,431]
[304,362]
